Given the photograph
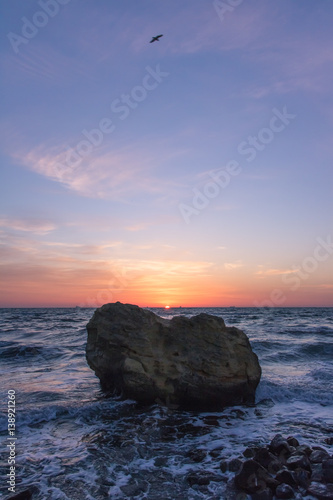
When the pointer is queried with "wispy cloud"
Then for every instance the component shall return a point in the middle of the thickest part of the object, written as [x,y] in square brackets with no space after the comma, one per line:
[230,266]
[274,272]
[102,175]
[35,226]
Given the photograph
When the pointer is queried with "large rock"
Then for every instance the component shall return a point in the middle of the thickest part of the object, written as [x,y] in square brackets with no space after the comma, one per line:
[193,362]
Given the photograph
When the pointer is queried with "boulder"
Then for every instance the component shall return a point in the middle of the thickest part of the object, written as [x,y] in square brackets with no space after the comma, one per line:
[193,362]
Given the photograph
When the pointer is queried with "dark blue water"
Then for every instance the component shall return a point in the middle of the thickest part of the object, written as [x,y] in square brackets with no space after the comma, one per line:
[75,442]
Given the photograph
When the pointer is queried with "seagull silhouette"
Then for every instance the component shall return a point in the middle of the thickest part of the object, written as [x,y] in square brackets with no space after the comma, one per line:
[155,38]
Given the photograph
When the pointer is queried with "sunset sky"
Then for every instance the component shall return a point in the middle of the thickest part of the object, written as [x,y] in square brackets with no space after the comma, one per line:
[193,171]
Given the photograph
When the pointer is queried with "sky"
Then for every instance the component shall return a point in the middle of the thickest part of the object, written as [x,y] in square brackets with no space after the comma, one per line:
[192,171]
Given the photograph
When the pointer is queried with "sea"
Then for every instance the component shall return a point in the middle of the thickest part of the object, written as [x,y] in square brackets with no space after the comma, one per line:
[72,441]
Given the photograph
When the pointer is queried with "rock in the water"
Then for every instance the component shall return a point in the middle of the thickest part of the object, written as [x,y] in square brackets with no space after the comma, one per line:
[249,452]
[197,455]
[200,478]
[234,465]
[292,441]
[193,362]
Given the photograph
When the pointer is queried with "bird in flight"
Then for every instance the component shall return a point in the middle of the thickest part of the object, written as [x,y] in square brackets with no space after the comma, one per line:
[155,38]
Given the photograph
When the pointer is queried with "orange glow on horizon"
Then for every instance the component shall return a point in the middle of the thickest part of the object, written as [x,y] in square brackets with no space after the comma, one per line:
[154,284]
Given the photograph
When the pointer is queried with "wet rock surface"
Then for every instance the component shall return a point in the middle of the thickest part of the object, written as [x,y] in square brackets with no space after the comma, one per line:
[285,469]
[193,363]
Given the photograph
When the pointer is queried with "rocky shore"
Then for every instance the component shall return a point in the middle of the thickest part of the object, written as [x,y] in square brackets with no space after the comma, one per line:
[284,469]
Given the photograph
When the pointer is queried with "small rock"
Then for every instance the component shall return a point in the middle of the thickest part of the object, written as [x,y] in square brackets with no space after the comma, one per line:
[280,447]
[197,478]
[224,466]
[321,491]
[317,456]
[284,491]
[197,455]
[285,476]
[276,442]
[329,440]
[215,453]
[249,452]
[235,465]
[292,441]
[299,461]
[328,470]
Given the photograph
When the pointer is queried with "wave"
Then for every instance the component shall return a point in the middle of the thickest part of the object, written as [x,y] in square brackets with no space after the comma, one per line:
[106,410]
[28,351]
[289,392]
[319,349]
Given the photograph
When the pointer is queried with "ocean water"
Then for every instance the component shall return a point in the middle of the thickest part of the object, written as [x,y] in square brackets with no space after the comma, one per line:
[75,442]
